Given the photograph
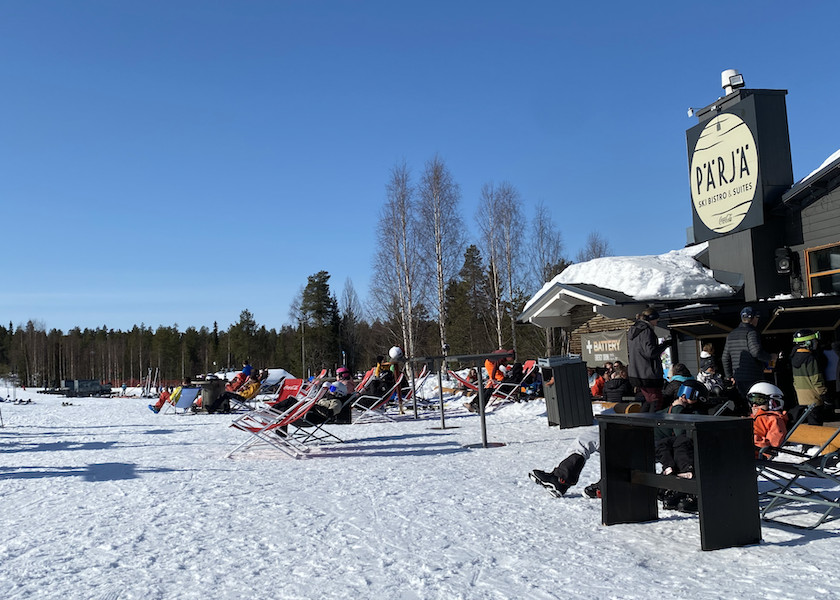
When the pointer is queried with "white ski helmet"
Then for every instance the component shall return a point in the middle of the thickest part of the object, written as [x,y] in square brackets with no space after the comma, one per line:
[339,388]
[395,353]
[766,393]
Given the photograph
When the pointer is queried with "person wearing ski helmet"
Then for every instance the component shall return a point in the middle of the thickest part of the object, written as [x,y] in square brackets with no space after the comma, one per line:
[674,448]
[808,379]
[397,357]
[767,404]
[743,357]
[396,354]
[343,375]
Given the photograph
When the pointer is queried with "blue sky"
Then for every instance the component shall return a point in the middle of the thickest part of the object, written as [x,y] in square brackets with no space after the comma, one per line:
[177,162]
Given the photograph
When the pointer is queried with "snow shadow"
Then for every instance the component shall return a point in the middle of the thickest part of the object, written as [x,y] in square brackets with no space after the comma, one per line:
[58,446]
[92,472]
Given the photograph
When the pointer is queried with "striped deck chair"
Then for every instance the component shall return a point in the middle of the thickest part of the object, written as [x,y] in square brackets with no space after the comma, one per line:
[184,402]
[271,385]
[372,406]
[464,383]
[469,386]
[270,427]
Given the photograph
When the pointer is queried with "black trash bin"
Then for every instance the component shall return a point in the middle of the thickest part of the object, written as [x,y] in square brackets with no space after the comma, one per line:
[211,389]
[568,402]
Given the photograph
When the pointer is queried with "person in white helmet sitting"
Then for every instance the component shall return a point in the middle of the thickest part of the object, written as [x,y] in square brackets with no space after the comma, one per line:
[767,404]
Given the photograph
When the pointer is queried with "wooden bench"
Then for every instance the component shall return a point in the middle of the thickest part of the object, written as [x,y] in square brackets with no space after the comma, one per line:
[816,435]
[621,407]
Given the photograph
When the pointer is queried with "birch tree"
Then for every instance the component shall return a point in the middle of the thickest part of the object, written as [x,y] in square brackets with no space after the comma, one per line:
[509,215]
[596,247]
[491,237]
[545,248]
[396,269]
[441,229]
[546,257]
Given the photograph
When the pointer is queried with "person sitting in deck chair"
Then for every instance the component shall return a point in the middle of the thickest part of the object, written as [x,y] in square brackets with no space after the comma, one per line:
[618,387]
[495,368]
[328,407]
[382,380]
[245,393]
[768,415]
[167,397]
[566,474]
[343,375]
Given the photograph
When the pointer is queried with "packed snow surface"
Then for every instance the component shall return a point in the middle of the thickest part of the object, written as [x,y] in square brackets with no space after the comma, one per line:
[105,500]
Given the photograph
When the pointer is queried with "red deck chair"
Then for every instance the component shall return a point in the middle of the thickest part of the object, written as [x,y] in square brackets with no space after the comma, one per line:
[290,387]
[506,391]
[313,383]
[267,426]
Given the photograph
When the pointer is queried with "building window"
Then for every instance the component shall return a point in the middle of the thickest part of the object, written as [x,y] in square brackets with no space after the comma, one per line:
[823,268]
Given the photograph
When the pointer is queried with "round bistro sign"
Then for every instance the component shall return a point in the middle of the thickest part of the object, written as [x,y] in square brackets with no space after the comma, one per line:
[724,173]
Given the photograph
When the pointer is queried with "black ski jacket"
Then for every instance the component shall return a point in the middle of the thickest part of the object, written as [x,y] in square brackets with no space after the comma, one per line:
[645,368]
[743,358]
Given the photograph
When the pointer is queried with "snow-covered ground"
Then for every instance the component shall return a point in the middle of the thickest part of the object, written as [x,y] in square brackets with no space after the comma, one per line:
[105,500]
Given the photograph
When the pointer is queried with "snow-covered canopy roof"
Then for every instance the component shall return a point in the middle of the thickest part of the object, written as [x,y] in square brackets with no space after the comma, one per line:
[826,162]
[675,275]
[819,182]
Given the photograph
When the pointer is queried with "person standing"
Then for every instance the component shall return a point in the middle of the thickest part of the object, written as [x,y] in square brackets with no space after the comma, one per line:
[743,357]
[644,353]
[808,379]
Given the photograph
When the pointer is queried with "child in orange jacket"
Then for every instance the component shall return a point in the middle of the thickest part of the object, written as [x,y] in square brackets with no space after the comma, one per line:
[768,415]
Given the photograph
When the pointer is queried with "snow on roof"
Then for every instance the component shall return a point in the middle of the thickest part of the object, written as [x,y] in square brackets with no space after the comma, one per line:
[675,275]
[826,162]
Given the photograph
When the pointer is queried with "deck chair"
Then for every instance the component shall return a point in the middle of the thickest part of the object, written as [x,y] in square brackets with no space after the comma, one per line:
[269,427]
[290,387]
[273,382]
[365,381]
[408,397]
[307,431]
[796,475]
[372,406]
[467,385]
[307,386]
[269,388]
[507,391]
[184,403]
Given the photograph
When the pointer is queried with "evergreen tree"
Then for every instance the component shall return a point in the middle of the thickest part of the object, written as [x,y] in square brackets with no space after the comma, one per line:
[469,308]
[318,310]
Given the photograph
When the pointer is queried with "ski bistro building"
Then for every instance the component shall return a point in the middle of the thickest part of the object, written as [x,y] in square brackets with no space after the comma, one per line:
[772,244]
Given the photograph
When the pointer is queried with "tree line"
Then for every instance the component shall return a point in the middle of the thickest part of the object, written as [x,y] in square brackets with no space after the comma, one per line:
[438,290]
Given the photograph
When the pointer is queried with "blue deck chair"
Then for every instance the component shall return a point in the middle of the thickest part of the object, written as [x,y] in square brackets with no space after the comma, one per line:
[185,401]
